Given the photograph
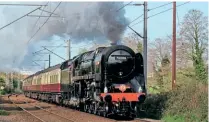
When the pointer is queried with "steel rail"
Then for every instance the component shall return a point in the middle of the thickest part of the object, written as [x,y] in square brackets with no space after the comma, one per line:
[26,111]
[54,113]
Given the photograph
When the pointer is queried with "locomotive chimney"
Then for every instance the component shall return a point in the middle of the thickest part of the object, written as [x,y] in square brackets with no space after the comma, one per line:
[113,43]
[116,43]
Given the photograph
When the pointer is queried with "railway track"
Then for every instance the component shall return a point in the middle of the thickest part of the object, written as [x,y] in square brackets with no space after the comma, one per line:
[46,112]
[43,115]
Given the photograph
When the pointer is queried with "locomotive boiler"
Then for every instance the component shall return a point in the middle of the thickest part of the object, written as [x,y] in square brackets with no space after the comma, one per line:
[105,81]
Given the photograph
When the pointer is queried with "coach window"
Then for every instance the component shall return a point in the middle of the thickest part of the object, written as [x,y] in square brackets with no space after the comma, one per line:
[50,78]
[47,78]
[37,81]
[40,80]
[55,79]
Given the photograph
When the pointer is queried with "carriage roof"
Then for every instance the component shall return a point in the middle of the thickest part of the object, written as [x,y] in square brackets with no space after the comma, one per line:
[44,71]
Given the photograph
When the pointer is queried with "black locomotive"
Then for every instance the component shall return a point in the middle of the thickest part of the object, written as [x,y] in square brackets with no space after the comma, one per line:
[111,80]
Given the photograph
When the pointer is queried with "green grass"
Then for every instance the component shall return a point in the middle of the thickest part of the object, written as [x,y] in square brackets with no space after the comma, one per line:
[173,119]
[4,113]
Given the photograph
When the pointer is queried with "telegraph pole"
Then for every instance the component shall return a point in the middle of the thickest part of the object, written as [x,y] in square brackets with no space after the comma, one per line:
[174,47]
[145,42]
[68,50]
[49,60]
[11,80]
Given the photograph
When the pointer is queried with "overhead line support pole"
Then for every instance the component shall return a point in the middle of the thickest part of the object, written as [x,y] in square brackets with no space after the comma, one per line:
[145,43]
[144,40]
[68,50]
[49,61]
[174,47]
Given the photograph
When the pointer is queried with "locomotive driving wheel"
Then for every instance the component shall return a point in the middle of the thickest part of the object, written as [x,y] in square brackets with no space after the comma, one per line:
[86,108]
[91,109]
[105,110]
[95,106]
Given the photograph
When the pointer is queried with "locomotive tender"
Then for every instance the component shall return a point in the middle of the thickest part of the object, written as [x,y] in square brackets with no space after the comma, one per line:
[108,80]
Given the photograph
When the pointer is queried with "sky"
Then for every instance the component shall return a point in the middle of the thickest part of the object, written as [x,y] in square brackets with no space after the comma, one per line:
[159,26]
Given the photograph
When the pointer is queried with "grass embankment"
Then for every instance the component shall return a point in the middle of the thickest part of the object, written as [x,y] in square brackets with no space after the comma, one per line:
[187,103]
[3,113]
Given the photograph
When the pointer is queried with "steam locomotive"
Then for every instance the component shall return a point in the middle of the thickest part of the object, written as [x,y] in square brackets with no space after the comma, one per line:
[106,81]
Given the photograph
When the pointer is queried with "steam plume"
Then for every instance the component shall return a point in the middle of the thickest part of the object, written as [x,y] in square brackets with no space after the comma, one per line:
[98,21]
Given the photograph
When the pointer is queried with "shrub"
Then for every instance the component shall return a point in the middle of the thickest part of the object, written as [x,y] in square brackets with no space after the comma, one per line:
[2,92]
[154,106]
[3,113]
[188,102]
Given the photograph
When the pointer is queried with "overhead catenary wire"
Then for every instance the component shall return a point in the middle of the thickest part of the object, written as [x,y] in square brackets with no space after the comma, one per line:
[43,23]
[167,9]
[43,16]
[54,53]
[160,13]
[39,17]
[136,19]
[19,18]
[51,50]
[149,11]
[178,17]
[21,5]
[124,6]
[159,6]
[48,12]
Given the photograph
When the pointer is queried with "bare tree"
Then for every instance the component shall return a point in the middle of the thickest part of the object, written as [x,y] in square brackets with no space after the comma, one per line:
[159,49]
[194,33]
[159,55]
[182,56]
